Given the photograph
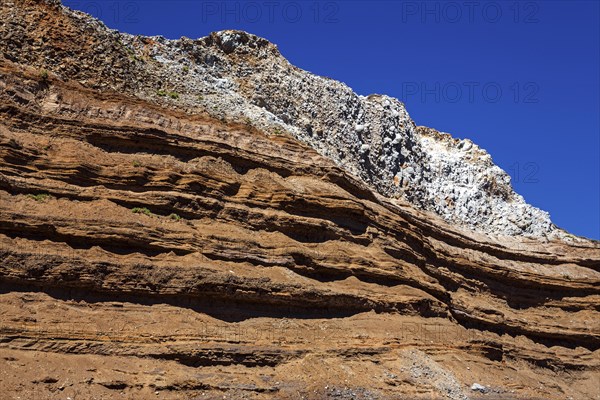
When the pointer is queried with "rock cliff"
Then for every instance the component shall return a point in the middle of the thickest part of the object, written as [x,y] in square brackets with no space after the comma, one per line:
[240,77]
[200,219]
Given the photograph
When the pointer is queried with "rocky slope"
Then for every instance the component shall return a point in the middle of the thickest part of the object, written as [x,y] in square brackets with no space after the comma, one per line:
[157,247]
[240,77]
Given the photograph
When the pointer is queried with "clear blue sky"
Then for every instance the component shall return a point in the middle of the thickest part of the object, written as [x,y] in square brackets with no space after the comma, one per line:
[520,78]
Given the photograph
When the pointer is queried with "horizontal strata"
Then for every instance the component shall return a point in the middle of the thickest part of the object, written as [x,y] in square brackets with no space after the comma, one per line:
[158,247]
[241,230]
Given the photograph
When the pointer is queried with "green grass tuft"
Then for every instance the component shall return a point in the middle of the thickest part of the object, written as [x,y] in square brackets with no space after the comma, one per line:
[39,197]
[164,93]
[141,210]
[175,217]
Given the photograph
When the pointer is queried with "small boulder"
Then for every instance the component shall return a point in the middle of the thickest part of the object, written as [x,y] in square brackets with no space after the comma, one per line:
[479,388]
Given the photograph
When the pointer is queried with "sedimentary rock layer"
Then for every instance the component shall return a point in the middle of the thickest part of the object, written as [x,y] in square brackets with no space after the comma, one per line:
[172,252]
[151,249]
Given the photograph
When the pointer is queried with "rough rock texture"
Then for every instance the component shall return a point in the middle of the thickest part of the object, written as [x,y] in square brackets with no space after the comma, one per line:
[238,76]
[151,250]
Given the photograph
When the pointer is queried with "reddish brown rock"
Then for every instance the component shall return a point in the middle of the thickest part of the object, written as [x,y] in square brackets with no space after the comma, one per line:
[253,267]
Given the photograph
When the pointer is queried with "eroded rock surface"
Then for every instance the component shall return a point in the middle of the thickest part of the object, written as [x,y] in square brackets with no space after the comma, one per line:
[240,77]
[154,248]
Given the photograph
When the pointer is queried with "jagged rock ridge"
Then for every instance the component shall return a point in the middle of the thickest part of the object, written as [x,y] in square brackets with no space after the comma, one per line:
[244,78]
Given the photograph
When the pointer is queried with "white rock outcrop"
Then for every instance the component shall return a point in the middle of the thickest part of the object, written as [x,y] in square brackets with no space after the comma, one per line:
[239,76]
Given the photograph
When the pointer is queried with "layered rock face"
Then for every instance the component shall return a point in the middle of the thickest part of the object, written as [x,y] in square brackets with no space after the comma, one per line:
[240,77]
[186,247]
